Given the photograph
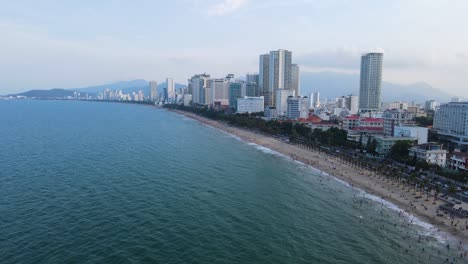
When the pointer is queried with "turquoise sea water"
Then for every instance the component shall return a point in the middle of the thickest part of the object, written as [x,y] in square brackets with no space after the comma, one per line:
[88,182]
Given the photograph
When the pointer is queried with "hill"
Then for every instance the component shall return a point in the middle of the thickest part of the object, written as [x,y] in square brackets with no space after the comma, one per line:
[52,93]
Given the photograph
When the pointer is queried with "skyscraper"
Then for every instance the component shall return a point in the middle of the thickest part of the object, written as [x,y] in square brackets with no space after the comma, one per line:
[170,89]
[199,85]
[263,76]
[296,79]
[219,91]
[235,92]
[371,82]
[316,100]
[281,103]
[252,85]
[153,87]
[279,73]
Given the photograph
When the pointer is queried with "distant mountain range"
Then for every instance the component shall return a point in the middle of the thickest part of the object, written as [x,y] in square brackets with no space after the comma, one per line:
[125,86]
[329,84]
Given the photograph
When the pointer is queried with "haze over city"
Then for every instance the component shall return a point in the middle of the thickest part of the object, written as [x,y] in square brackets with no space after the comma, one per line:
[52,44]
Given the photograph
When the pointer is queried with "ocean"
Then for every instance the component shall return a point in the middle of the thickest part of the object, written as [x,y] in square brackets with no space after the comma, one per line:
[92,182]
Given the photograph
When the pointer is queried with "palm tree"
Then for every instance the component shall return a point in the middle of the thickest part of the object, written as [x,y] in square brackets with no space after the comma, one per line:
[436,193]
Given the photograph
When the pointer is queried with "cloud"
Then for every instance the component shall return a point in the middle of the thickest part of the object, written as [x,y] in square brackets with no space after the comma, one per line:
[349,59]
[226,7]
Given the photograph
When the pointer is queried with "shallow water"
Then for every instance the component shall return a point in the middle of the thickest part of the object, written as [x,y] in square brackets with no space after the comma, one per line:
[117,183]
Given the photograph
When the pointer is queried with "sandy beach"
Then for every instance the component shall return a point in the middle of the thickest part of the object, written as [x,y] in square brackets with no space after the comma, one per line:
[377,185]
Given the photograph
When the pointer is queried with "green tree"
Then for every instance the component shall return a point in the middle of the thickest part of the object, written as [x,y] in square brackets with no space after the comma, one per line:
[400,150]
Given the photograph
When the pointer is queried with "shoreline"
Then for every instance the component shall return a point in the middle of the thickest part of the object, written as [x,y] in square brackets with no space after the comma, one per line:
[364,180]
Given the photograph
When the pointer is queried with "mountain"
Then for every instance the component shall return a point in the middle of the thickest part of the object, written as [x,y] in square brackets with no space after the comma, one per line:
[139,83]
[331,84]
[52,93]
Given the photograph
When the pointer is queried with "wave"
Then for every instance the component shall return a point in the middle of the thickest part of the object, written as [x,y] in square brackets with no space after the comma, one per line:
[427,228]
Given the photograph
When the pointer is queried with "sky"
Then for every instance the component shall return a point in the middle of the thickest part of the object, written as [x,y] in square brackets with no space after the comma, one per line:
[68,44]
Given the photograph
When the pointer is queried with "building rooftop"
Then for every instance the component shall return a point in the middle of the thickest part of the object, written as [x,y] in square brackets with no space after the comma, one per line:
[367,129]
[311,119]
[372,119]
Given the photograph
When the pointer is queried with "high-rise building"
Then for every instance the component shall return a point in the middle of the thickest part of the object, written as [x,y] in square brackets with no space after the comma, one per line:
[396,117]
[170,86]
[199,85]
[431,105]
[263,76]
[251,78]
[219,91]
[316,100]
[235,92]
[297,107]
[352,103]
[451,122]
[371,82]
[252,85]
[281,103]
[296,79]
[153,87]
[250,104]
[279,73]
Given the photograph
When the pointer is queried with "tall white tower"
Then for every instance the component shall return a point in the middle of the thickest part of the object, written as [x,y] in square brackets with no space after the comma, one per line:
[370,91]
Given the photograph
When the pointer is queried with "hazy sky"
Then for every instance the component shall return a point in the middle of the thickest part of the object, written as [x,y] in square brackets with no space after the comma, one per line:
[46,44]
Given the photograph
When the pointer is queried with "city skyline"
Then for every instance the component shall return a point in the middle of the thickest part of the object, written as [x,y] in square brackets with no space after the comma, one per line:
[50,47]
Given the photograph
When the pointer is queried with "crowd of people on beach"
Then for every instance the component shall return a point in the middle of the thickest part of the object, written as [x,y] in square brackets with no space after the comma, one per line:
[401,221]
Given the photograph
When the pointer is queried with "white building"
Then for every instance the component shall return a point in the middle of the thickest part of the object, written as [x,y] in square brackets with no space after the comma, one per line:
[170,86]
[352,103]
[431,105]
[296,79]
[396,105]
[187,99]
[199,86]
[371,82]
[316,100]
[431,153]
[279,73]
[153,87]
[282,100]
[297,107]
[250,104]
[420,133]
[451,122]
[219,89]
[396,117]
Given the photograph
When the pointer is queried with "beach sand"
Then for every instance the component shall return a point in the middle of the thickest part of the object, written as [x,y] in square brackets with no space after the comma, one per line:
[422,208]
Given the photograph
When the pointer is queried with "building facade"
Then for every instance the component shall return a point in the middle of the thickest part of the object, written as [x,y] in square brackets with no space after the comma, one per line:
[451,122]
[263,76]
[153,87]
[235,92]
[279,73]
[170,86]
[420,133]
[250,104]
[199,86]
[431,153]
[396,117]
[296,79]
[370,91]
[298,107]
[282,96]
